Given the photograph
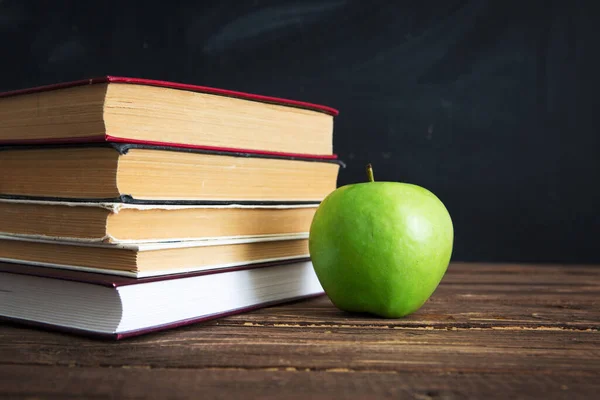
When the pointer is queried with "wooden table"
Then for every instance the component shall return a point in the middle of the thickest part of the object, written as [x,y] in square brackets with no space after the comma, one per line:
[489,331]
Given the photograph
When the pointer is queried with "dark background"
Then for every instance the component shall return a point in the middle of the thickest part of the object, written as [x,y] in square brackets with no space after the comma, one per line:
[492,105]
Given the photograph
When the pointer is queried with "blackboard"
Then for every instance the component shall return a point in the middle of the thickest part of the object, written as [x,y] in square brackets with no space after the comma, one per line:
[489,104]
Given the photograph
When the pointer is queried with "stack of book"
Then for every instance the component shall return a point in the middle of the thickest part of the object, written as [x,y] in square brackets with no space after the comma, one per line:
[128,205]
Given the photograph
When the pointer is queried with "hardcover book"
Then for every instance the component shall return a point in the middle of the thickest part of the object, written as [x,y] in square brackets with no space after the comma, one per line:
[140,173]
[152,259]
[118,307]
[121,109]
[135,223]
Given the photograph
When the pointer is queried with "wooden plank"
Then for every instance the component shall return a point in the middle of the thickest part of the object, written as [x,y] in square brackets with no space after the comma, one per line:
[383,349]
[463,310]
[476,296]
[53,382]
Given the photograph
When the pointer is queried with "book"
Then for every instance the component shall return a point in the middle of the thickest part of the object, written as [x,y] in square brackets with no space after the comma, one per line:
[122,109]
[152,259]
[118,307]
[138,173]
[133,223]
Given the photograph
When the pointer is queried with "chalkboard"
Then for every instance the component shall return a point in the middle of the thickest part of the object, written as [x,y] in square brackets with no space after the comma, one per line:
[489,104]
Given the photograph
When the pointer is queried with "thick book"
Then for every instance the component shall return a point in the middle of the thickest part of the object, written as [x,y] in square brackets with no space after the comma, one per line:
[134,223]
[140,173]
[152,259]
[118,307]
[122,109]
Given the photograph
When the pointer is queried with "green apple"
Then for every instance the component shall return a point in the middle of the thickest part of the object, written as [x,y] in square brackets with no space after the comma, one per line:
[381,247]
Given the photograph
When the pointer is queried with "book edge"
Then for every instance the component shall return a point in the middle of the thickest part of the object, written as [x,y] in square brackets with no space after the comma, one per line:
[191,321]
[175,85]
[155,329]
[125,144]
[163,245]
[111,241]
[114,280]
[116,207]
[156,275]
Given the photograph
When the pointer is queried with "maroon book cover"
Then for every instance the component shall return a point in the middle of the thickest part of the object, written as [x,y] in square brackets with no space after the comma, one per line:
[114,282]
[172,85]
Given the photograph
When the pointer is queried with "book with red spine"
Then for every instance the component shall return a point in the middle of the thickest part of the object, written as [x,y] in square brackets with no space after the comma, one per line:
[161,113]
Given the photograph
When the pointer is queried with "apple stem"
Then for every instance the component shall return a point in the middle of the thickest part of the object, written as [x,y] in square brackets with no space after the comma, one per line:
[370,173]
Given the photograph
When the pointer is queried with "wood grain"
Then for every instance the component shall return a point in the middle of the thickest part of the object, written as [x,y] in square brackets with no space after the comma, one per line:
[140,383]
[491,331]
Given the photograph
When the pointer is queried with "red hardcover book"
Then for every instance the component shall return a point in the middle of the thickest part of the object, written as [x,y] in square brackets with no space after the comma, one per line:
[134,173]
[153,112]
[119,307]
